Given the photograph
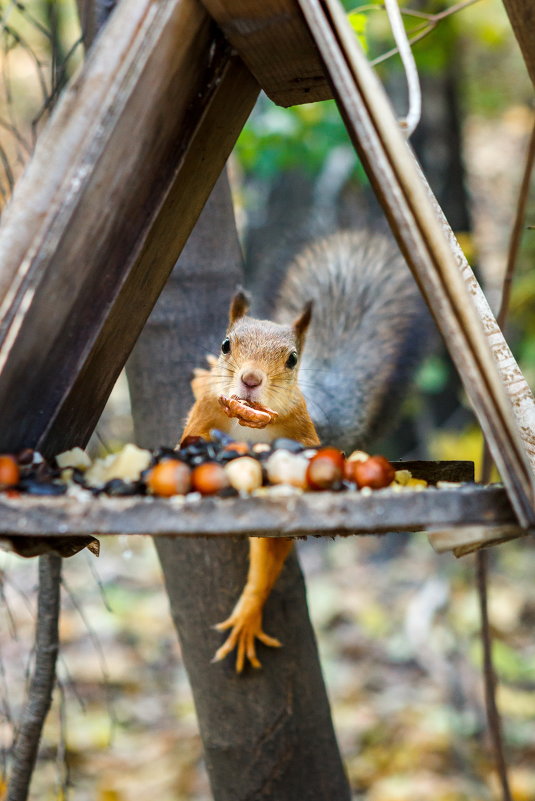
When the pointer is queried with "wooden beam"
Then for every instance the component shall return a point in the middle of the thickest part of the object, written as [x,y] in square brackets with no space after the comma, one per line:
[284,515]
[273,40]
[447,283]
[522,18]
[440,470]
[97,222]
[466,539]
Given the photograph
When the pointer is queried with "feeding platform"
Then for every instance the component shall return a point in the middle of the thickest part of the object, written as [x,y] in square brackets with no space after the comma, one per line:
[472,515]
[114,167]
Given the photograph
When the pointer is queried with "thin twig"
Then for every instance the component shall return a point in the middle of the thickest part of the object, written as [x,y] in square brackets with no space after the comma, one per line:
[410,122]
[431,22]
[516,234]
[96,576]
[493,715]
[62,788]
[43,680]
[93,636]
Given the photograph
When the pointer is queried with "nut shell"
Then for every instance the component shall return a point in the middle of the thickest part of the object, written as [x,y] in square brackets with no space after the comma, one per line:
[209,478]
[9,471]
[284,467]
[170,477]
[325,469]
[376,473]
[244,474]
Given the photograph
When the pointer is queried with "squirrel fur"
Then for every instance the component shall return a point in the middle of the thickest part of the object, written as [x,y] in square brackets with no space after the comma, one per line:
[350,328]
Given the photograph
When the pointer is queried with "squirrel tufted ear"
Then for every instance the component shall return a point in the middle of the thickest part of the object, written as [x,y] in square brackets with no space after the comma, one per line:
[239,306]
[301,323]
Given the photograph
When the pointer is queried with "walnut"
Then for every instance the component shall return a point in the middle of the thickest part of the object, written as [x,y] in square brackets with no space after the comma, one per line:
[248,413]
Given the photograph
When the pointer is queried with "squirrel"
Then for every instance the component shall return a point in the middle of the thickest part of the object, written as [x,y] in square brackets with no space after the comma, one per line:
[350,327]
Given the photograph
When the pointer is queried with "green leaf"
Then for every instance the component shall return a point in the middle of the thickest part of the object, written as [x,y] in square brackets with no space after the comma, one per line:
[358,24]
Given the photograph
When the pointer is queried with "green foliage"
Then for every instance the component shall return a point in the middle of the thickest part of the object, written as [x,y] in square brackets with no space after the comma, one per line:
[359,22]
[277,139]
[433,375]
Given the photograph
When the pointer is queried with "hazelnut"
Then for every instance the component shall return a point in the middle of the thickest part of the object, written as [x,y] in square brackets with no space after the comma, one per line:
[325,469]
[9,471]
[170,477]
[376,473]
[244,474]
[209,478]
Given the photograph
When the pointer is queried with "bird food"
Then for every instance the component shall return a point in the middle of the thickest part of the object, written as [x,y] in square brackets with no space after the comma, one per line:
[219,466]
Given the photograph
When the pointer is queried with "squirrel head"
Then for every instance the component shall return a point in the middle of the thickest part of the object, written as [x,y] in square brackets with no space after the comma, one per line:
[259,359]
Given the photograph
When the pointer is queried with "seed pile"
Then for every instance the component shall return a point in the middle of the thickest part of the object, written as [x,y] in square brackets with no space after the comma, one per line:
[220,466]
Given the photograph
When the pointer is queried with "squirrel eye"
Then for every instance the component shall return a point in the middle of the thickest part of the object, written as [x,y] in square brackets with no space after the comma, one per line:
[292,360]
[225,346]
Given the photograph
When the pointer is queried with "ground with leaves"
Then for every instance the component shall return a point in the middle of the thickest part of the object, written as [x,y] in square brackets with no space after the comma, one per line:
[397,627]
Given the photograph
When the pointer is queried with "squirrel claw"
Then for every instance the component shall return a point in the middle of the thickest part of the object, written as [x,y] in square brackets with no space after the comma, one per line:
[246,626]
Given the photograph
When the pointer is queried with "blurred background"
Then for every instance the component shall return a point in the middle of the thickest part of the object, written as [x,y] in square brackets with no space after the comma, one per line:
[397,625]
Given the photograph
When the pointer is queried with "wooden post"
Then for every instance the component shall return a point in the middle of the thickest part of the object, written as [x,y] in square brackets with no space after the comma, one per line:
[97,221]
[522,17]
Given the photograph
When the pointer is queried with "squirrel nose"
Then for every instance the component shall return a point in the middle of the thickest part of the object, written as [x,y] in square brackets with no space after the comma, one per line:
[252,378]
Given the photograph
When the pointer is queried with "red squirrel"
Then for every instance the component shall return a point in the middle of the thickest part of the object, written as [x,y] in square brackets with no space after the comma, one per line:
[355,296]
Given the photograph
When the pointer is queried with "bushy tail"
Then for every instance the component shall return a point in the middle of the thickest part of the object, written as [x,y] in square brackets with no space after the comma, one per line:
[369,330]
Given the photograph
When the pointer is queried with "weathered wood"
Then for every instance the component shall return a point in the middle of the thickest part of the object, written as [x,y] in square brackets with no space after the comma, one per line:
[292,515]
[432,472]
[522,17]
[466,539]
[422,235]
[98,220]
[273,40]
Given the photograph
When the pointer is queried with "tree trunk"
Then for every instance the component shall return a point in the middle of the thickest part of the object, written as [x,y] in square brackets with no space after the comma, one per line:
[267,734]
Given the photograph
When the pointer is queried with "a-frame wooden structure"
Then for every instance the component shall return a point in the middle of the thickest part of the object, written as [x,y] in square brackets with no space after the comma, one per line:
[116,185]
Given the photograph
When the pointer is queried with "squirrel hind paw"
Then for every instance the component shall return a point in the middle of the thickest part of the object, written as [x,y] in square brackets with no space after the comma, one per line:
[244,631]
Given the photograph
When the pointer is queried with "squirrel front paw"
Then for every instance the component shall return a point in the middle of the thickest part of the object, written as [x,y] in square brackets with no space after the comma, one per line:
[246,624]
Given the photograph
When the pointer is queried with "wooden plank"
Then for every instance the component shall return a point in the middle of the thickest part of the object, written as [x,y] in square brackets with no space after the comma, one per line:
[522,17]
[435,471]
[273,40]
[422,235]
[283,515]
[98,220]
[463,540]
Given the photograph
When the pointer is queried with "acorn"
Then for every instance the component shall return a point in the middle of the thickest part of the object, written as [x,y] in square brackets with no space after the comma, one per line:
[325,469]
[209,478]
[376,473]
[9,471]
[244,474]
[170,477]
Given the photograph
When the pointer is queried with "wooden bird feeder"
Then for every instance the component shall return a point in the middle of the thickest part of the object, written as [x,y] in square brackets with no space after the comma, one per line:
[116,184]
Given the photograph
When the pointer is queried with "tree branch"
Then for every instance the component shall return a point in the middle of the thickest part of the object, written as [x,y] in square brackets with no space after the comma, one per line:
[43,679]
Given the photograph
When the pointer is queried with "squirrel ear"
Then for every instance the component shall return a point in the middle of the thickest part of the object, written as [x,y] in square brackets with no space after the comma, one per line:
[239,305]
[301,323]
